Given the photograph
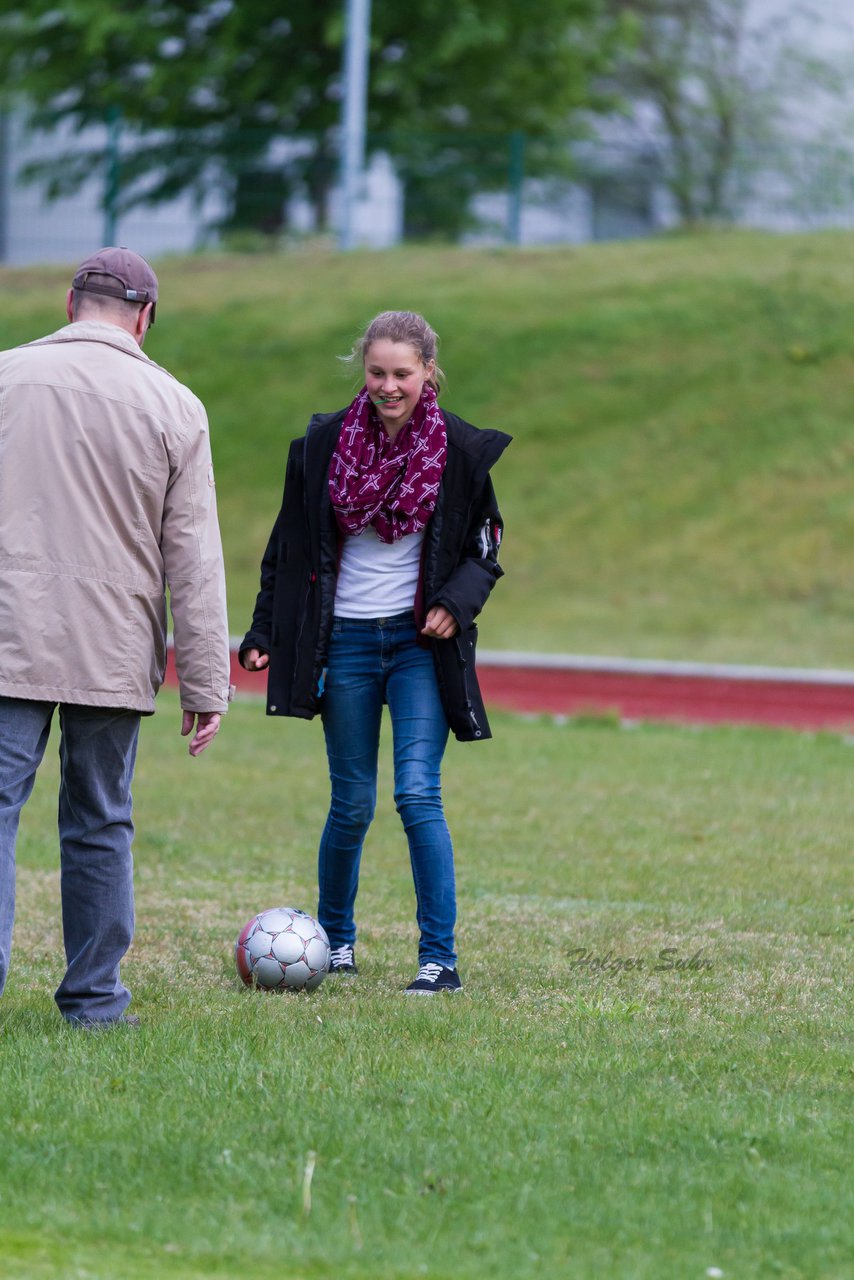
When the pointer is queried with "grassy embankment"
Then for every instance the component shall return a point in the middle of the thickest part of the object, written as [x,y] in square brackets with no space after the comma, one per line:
[681,479]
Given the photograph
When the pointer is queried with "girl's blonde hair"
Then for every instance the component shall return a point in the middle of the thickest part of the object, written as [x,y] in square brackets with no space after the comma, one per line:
[400,326]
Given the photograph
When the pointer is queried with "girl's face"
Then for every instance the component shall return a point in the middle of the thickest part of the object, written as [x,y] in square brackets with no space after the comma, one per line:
[395,376]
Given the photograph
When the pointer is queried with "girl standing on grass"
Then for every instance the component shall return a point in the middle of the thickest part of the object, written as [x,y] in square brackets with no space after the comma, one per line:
[383,553]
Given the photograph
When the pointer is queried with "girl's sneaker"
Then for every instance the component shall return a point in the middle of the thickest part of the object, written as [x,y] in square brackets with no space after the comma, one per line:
[343,960]
[434,977]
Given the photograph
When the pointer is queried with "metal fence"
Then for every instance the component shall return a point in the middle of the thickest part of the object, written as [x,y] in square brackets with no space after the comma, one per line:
[63,193]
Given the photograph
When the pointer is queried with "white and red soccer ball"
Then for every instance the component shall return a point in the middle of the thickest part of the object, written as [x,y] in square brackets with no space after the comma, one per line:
[282,949]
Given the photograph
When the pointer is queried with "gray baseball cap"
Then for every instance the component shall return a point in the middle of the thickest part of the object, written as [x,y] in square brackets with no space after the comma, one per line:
[134,279]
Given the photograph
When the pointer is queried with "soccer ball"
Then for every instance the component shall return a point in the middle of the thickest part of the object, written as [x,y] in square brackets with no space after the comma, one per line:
[282,949]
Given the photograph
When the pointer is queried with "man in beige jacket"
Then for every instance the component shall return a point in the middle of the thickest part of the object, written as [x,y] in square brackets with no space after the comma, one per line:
[106,497]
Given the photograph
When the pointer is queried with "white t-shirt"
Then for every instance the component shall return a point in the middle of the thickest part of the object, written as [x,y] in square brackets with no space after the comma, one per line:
[377,579]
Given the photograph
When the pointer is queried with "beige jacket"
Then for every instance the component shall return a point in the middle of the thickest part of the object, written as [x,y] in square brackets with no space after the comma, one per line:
[106,497]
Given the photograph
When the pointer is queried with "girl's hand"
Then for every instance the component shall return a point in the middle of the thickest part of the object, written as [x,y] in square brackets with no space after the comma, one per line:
[254,659]
[440,624]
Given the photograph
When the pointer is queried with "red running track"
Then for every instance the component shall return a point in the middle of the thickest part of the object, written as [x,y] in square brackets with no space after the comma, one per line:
[694,699]
[685,693]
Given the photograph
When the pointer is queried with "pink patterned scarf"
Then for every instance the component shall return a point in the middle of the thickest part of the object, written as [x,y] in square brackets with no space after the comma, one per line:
[390,484]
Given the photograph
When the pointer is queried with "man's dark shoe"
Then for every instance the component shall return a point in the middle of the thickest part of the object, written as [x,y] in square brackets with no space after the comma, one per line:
[104,1024]
[434,977]
[343,960]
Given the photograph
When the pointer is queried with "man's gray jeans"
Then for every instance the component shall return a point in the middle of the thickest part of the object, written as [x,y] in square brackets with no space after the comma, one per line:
[97,755]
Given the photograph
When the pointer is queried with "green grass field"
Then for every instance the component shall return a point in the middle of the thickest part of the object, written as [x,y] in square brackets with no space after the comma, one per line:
[557,1118]
[681,479]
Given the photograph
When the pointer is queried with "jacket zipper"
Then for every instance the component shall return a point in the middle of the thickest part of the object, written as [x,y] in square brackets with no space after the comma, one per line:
[470,711]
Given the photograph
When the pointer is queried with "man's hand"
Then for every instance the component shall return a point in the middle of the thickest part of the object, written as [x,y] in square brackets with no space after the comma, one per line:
[254,659]
[440,624]
[208,728]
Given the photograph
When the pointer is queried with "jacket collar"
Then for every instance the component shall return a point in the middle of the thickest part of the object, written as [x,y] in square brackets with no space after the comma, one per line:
[484,445]
[95,331]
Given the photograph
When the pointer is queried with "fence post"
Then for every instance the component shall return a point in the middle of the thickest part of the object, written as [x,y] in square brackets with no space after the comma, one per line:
[112,180]
[356,59]
[516,178]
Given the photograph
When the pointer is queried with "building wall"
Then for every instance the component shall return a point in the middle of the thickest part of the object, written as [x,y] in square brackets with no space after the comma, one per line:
[67,229]
[34,229]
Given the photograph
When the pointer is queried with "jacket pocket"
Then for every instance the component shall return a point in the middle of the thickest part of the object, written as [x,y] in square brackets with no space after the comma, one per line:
[303,686]
[458,686]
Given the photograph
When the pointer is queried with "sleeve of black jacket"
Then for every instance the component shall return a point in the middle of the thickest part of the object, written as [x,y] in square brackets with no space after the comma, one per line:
[468,587]
[260,633]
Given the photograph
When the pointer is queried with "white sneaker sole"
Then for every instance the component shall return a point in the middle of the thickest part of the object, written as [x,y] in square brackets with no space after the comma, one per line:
[437,991]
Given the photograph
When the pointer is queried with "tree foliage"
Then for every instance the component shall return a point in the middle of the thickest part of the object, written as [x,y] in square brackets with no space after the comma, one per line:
[717,77]
[205,88]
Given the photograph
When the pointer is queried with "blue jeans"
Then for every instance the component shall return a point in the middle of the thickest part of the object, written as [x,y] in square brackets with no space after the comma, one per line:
[97,754]
[372,662]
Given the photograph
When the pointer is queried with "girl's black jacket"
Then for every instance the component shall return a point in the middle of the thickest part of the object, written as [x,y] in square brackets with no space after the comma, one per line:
[293,613]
